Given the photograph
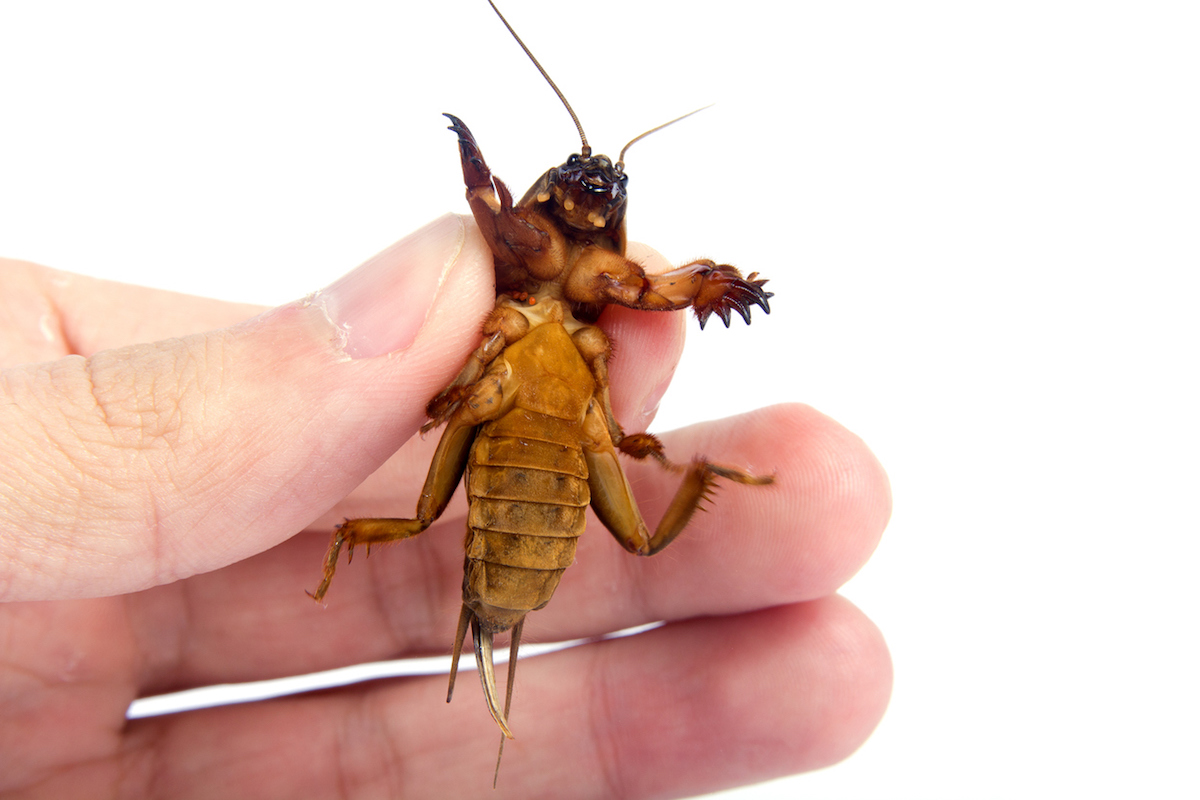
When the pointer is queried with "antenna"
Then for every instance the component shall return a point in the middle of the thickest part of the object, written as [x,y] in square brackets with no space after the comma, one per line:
[586,149]
[620,165]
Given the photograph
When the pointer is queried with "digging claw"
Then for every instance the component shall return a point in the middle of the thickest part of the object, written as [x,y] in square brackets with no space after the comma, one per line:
[475,169]
[726,290]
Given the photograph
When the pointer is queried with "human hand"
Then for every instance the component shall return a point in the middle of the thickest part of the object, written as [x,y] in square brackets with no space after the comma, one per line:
[148,500]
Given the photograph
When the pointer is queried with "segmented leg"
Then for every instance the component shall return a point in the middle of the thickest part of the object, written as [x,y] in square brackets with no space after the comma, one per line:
[485,401]
[709,287]
[601,276]
[612,497]
[447,401]
[503,326]
[445,471]
[516,242]
[593,344]
[476,174]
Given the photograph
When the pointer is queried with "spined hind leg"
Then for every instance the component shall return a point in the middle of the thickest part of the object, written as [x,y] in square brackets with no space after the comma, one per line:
[612,497]
[444,474]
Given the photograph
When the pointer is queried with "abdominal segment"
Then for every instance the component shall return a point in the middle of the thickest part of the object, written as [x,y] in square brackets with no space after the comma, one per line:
[528,498]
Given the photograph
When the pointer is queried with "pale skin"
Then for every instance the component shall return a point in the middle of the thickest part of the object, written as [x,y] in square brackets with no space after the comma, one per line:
[151,497]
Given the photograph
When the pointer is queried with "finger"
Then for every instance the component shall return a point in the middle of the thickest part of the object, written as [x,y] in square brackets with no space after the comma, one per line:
[755,547]
[663,713]
[647,349]
[183,456]
[798,539]
[46,314]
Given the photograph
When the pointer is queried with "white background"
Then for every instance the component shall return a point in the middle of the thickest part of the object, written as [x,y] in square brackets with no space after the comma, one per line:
[980,221]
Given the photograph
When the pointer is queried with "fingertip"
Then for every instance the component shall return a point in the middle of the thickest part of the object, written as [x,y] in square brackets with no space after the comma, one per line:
[789,689]
[815,677]
[801,537]
[835,493]
[774,692]
[856,687]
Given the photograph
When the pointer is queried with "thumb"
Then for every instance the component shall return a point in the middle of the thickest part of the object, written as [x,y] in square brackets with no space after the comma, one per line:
[150,463]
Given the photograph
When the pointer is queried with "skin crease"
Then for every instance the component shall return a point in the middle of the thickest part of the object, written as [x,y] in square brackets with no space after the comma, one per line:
[761,670]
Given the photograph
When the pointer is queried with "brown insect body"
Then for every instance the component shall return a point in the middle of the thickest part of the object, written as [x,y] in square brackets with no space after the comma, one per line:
[529,419]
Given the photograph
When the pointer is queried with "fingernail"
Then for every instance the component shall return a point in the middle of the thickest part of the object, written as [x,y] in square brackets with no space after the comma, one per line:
[652,400]
[381,305]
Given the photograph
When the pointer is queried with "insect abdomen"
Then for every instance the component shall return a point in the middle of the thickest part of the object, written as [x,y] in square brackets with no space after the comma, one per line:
[527,502]
[527,482]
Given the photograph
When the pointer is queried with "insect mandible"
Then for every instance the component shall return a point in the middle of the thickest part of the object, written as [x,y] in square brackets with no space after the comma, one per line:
[528,419]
